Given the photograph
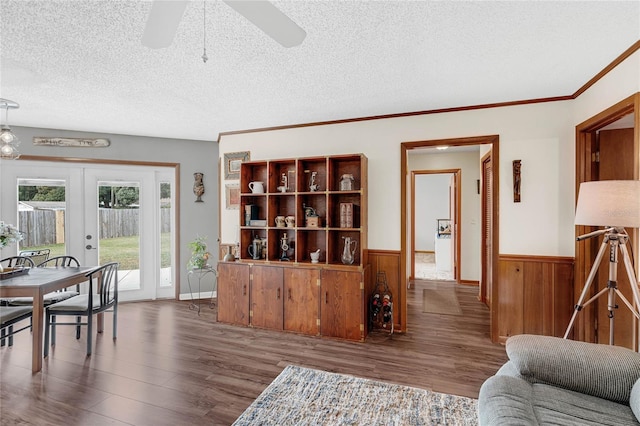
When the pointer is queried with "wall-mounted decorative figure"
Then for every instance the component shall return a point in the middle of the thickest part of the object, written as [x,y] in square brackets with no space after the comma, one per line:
[516,180]
[198,186]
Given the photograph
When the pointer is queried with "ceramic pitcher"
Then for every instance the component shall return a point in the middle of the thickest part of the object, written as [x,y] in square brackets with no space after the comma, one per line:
[256,187]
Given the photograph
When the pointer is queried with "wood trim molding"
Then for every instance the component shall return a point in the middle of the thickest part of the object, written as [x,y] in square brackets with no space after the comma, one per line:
[494,141]
[96,161]
[585,137]
[624,55]
[539,259]
[458,181]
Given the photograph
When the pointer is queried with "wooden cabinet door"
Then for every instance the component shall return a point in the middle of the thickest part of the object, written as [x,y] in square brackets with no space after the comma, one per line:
[341,304]
[233,293]
[266,297]
[301,291]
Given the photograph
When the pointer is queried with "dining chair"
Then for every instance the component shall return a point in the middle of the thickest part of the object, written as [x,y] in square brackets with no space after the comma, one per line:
[10,315]
[54,296]
[38,256]
[102,296]
[59,261]
[15,261]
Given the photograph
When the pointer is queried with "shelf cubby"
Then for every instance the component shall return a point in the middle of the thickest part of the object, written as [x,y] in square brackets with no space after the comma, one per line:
[311,240]
[306,167]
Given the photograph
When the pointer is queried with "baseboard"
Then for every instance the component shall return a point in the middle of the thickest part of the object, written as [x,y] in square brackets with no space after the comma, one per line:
[470,282]
[201,295]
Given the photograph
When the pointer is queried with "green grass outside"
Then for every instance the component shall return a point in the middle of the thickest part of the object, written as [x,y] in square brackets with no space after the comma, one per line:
[124,250]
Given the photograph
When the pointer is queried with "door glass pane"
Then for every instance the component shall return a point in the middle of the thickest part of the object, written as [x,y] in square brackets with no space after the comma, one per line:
[166,269]
[119,222]
[41,216]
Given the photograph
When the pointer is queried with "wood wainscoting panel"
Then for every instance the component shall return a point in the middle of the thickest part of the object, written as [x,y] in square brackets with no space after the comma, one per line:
[389,262]
[535,295]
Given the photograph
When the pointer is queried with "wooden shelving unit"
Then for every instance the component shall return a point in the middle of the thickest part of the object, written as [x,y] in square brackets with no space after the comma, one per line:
[325,201]
[287,291]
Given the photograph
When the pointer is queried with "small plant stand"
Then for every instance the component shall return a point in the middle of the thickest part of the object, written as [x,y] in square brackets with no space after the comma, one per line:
[199,274]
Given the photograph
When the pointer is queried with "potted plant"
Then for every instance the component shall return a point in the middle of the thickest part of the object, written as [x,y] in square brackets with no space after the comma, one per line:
[199,253]
[9,234]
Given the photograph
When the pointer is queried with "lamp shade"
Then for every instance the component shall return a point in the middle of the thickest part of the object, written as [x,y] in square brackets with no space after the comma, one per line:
[609,203]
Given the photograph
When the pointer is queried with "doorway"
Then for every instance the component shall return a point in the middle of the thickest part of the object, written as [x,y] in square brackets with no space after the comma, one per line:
[435,215]
[490,142]
[607,148]
[103,213]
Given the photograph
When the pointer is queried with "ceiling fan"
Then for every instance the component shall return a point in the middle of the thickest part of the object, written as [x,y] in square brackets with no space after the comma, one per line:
[165,17]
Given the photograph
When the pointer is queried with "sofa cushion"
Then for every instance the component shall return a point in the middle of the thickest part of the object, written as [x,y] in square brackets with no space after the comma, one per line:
[599,370]
[506,400]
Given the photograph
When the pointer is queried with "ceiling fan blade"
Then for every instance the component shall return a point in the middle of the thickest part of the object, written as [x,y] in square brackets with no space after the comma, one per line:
[162,24]
[267,17]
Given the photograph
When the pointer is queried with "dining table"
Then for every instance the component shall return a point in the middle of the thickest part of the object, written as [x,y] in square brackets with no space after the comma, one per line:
[36,283]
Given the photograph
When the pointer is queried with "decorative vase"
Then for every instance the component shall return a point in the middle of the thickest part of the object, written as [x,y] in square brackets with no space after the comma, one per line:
[229,257]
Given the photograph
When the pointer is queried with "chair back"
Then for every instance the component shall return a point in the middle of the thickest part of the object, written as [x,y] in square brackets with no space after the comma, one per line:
[60,261]
[37,256]
[103,281]
[15,261]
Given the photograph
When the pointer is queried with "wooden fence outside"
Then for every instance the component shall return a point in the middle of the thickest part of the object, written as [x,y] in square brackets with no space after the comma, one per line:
[46,227]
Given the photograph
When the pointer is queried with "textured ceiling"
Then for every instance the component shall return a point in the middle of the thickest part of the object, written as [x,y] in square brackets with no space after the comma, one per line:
[80,65]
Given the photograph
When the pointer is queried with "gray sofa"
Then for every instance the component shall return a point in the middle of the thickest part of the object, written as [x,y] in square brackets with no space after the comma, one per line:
[552,381]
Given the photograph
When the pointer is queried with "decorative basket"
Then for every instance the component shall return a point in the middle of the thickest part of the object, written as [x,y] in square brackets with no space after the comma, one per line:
[13,272]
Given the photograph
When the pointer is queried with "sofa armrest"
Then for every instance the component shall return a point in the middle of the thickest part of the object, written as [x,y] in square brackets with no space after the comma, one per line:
[634,401]
[600,370]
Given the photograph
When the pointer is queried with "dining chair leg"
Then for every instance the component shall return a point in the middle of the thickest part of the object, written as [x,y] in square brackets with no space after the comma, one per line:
[53,330]
[47,326]
[89,333]
[10,335]
[78,327]
[3,340]
[115,321]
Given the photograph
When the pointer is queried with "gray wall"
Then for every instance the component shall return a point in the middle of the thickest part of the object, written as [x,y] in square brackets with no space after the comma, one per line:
[193,156]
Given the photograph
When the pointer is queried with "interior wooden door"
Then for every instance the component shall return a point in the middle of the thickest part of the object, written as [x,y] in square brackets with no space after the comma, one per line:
[453,215]
[487,231]
[616,162]
[233,293]
[301,308]
[341,304]
[267,307]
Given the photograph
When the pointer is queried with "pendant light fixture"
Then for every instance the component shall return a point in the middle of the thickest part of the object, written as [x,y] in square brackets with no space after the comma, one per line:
[8,140]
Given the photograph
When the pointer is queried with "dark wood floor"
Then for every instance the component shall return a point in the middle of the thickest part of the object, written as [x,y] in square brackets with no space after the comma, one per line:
[170,366]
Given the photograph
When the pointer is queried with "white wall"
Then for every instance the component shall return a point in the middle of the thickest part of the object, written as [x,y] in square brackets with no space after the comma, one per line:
[432,203]
[541,135]
[521,128]
[470,224]
[193,156]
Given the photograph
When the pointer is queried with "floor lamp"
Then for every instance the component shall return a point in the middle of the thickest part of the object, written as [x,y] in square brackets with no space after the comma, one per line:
[614,204]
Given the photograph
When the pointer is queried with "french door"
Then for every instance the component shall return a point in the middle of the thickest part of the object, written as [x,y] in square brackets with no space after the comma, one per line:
[104,213]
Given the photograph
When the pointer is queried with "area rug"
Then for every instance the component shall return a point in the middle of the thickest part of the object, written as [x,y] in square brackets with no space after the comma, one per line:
[303,396]
[441,300]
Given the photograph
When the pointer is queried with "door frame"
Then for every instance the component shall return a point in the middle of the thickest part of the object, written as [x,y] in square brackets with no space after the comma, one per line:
[584,328]
[456,244]
[493,141]
[484,282]
[176,168]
